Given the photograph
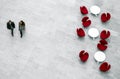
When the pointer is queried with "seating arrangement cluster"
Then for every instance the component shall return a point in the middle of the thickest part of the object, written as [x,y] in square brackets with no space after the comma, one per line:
[104,36]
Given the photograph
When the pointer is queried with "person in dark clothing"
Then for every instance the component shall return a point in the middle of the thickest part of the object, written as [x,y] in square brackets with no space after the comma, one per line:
[21,27]
[11,26]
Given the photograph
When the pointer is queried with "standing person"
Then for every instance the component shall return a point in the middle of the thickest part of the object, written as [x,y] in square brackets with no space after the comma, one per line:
[11,26]
[21,27]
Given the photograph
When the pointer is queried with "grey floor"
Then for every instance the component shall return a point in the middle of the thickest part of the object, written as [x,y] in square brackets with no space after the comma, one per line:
[50,46]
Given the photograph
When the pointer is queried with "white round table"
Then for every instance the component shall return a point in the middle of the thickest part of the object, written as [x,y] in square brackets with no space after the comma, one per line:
[93,33]
[99,56]
[95,10]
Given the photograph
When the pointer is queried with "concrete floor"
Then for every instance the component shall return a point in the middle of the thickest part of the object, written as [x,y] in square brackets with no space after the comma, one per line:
[50,46]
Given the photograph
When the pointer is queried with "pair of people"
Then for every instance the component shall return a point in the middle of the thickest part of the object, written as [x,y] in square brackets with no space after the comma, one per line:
[11,26]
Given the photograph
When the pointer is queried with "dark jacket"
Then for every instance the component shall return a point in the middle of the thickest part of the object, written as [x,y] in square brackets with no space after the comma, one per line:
[10,25]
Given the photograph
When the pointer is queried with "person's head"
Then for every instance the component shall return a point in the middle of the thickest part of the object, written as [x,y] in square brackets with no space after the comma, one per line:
[10,21]
[22,22]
